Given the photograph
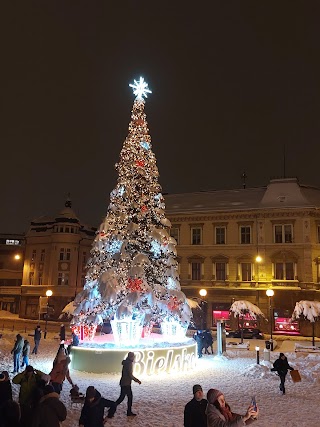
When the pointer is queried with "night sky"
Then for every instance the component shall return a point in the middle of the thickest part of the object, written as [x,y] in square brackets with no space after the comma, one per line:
[232,82]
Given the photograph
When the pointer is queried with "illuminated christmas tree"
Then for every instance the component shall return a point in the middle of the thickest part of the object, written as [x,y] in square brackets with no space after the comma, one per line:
[133,273]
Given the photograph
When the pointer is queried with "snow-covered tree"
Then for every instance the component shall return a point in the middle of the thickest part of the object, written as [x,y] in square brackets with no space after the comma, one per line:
[309,310]
[133,272]
[241,308]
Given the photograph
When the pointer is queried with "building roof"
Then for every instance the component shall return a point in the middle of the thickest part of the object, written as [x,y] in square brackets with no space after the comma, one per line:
[279,194]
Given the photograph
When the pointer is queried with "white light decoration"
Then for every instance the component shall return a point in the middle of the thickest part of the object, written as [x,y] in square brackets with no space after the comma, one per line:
[145,145]
[140,88]
[114,246]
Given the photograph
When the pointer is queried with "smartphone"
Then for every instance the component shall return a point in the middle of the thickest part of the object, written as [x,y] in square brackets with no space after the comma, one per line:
[254,403]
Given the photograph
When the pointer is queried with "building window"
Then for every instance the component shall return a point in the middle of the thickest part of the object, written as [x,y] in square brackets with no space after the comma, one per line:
[40,279]
[283,233]
[65,254]
[220,235]
[284,271]
[196,235]
[196,271]
[42,255]
[221,271]
[63,279]
[245,234]
[174,232]
[12,242]
[33,255]
[246,272]
[31,278]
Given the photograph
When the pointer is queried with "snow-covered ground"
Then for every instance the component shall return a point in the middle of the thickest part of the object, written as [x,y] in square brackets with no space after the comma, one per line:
[159,402]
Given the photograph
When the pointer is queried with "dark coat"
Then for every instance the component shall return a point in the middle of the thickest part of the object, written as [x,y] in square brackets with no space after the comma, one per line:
[49,412]
[92,413]
[62,333]
[127,375]
[18,345]
[281,366]
[5,391]
[195,413]
[37,334]
[26,348]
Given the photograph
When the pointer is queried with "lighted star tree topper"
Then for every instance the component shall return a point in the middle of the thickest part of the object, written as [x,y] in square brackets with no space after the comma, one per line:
[132,275]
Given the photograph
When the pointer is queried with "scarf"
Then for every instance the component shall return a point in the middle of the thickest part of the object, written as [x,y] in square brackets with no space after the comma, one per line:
[226,413]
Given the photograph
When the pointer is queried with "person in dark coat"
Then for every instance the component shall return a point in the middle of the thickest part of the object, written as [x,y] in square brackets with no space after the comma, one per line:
[25,354]
[16,351]
[74,342]
[62,333]
[208,341]
[199,338]
[195,410]
[50,411]
[37,338]
[125,382]
[10,414]
[92,414]
[5,388]
[281,366]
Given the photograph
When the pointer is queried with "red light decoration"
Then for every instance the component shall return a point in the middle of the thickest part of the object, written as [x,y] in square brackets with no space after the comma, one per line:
[173,304]
[134,285]
[144,208]
[139,122]
[85,332]
[140,163]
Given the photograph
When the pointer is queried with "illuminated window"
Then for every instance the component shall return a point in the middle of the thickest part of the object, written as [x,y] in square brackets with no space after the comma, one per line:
[12,242]
[283,233]
[63,279]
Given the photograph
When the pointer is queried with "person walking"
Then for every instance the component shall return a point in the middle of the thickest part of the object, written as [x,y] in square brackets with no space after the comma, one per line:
[195,410]
[219,412]
[37,338]
[25,354]
[208,341]
[28,381]
[281,366]
[92,414]
[59,373]
[50,411]
[125,382]
[16,351]
[5,388]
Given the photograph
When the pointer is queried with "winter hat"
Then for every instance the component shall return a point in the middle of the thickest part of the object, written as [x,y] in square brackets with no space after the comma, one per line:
[196,387]
[131,355]
[282,354]
[2,377]
[213,395]
[29,368]
[48,389]
[91,392]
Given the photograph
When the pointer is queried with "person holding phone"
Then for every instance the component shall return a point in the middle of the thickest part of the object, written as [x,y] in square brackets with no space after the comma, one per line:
[281,366]
[219,413]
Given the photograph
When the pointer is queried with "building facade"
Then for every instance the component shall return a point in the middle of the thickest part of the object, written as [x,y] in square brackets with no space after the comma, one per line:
[236,244]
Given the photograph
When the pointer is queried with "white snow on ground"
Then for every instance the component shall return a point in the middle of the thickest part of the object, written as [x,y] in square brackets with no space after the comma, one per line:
[159,401]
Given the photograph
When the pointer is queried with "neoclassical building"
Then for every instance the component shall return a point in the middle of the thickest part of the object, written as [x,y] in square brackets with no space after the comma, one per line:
[236,244]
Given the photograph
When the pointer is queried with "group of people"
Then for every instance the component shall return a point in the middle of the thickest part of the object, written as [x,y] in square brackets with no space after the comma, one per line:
[21,350]
[204,342]
[39,396]
[214,411]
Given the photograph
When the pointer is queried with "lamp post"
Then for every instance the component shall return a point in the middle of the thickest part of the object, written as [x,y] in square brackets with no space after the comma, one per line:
[270,293]
[203,294]
[48,295]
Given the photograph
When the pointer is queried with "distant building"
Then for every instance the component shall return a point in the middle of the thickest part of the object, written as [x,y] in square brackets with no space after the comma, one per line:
[56,252]
[11,265]
[221,233]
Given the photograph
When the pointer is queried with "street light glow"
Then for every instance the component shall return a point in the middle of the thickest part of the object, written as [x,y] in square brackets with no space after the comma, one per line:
[203,292]
[17,256]
[258,258]
[49,293]
[270,292]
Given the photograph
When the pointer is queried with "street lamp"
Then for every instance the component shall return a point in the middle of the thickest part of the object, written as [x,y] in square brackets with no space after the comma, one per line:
[258,355]
[270,293]
[17,257]
[48,295]
[203,294]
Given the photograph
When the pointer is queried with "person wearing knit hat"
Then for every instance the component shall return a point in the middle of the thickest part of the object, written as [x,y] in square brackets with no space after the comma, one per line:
[281,366]
[219,412]
[125,382]
[92,413]
[195,410]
